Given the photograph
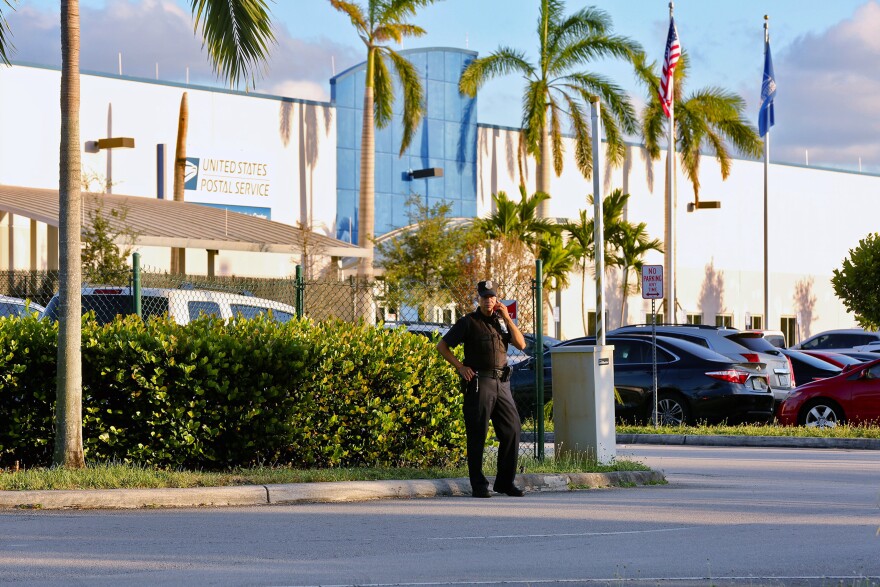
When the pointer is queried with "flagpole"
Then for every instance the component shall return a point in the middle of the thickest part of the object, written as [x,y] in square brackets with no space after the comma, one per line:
[766,216]
[670,207]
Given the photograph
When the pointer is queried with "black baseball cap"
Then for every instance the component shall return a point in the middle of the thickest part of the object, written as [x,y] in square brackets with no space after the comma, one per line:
[486,289]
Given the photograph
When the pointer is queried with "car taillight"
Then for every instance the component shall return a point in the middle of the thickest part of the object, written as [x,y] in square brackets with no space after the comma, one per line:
[791,372]
[751,357]
[730,375]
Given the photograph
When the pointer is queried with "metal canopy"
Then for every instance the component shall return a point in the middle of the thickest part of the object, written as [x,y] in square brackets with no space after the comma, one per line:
[165,223]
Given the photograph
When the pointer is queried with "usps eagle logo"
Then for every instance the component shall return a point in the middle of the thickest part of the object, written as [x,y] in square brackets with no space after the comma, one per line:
[191,174]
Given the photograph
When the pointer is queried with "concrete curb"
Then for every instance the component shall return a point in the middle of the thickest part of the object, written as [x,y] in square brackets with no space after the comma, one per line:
[297,493]
[751,441]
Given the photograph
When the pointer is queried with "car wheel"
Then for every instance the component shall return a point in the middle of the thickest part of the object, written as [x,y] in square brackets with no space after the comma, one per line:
[822,414]
[672,411]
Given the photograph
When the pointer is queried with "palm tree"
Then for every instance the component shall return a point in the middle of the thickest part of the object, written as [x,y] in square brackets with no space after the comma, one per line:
[557,88]
[4,30]
[711,118]
[632,243]
[237,34]
[382,21]
[582,232]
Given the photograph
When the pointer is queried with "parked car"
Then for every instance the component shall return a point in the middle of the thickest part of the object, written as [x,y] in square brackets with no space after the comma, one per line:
[733,343]
[841,360]
[774,337]
[806,368]
[694,383]
[18,307]
[851,397]
[514,355]
[182,305]
[836,340]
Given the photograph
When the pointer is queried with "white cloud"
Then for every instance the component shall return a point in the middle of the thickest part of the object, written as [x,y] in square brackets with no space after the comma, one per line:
[827,102]
[151,32]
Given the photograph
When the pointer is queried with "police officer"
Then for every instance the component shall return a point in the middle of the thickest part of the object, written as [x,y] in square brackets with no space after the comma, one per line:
[485,333]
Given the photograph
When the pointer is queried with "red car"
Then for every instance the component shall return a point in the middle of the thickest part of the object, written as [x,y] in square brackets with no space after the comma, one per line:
[853,397]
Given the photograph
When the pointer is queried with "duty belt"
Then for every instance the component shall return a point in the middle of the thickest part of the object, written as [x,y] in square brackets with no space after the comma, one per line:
[493,373]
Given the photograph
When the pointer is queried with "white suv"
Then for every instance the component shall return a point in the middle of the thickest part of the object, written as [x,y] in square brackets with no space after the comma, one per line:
[182,305]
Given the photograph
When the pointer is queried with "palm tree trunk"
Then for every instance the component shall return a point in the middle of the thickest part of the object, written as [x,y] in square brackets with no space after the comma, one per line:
[178,255]
[366,216]
[68,450]
[584,296]
[544,171]
[623,296]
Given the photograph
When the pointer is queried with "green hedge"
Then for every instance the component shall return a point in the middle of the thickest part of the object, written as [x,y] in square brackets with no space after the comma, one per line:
[214,395]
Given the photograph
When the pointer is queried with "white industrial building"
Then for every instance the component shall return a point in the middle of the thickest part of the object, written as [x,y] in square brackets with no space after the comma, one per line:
[277,158]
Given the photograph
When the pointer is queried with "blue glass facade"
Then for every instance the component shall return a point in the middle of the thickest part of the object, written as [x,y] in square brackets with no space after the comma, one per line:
[446,138]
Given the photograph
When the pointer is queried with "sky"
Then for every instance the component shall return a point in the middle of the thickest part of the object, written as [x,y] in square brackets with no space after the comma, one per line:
[825,55]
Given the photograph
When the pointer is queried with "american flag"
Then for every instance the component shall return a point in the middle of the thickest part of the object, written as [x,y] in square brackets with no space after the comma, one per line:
[673,53]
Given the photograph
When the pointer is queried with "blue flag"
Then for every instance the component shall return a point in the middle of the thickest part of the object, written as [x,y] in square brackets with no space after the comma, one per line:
[768,94]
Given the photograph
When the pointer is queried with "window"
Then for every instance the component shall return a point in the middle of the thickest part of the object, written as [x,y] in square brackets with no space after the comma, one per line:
[788,326]
[694,318]
[648,318]
[757,322]
[197,309]
[254,311]
[724,321]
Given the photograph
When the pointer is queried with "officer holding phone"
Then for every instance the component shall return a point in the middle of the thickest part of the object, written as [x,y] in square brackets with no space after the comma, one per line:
[485,376]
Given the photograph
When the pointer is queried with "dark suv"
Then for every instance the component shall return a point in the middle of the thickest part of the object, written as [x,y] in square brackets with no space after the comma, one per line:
[733,343]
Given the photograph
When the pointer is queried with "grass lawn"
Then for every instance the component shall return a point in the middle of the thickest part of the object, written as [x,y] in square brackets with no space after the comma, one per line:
[116,476]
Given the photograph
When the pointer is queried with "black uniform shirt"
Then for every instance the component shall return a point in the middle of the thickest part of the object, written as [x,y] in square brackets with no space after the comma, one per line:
[485,340]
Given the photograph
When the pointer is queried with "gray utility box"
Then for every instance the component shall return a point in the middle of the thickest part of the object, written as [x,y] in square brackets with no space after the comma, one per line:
[583,402]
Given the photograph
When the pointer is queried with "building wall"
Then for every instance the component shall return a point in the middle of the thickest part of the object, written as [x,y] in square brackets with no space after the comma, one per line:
[815,215]
[446,138]
[280,149]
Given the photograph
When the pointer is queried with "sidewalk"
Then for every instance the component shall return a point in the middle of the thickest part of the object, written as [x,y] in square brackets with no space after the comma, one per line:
[297,493]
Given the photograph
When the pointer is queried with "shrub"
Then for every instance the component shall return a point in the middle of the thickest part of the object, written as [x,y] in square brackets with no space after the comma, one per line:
[216,394]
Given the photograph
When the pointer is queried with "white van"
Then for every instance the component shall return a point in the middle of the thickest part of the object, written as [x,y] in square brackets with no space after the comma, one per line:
[182,305]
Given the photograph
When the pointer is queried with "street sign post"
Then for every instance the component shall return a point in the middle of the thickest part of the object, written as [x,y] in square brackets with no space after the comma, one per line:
[652,289]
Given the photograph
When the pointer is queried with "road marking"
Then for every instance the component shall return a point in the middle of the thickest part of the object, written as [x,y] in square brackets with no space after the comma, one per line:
[559,535]
[609,581]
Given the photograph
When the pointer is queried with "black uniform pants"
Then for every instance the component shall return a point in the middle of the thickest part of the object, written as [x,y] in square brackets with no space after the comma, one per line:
[493,401]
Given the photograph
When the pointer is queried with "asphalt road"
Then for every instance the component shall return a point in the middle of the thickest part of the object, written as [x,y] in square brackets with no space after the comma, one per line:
[729,516]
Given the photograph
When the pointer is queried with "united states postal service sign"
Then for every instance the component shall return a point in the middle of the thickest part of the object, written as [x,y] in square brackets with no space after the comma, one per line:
[652,282]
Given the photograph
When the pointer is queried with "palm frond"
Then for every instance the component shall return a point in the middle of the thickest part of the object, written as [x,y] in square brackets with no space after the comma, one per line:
[393,11]
[583,144]
[534,116]
[355,13]
[613,97]
[237,33]
[503,61]
[5,33]
[592,48]
[413,99]
[556,144]
[397,32]
[383,90]
[616,147]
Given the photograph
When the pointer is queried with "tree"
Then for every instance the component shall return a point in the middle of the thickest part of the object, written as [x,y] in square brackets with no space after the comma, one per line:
[857,282]
[632,243]
[237,34]
[178,254]
[103,261]
[711,119]
[557,88]
[4,31]
[426,257]
[382,21]
[582,232]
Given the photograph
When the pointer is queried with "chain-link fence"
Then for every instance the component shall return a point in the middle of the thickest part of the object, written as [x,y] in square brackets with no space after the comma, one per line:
[421,309]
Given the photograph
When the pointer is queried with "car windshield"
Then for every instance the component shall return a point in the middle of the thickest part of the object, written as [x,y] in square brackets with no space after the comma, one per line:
[754,342]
